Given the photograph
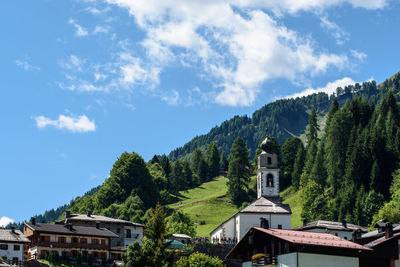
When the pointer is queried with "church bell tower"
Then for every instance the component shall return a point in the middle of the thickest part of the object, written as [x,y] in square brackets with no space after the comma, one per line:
[268,171]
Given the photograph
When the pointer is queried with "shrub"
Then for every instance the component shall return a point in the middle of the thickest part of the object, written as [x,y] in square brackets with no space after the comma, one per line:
[199,260]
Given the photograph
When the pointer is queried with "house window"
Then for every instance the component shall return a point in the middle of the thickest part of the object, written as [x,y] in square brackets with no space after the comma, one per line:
[279,226]
[3,247]
[83,241]
[61,239]
[118,230]
[103,241]
[269,161]
[270,180]
[95,241]
[128,233]
[16,247]
[75,240]
[118,243]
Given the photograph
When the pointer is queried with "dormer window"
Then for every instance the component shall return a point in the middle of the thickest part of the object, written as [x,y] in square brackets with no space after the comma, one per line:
[270,180]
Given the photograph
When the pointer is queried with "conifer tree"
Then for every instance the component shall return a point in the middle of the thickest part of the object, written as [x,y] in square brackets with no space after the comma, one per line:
[312,128]
[289,152]
[238,172]
[298,167]
[318,171]
[199,165]
[334,107]
[187,175]
[213,160]
[154,160]
[223,163]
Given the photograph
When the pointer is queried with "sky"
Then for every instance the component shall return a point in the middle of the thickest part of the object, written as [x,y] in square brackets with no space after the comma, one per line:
[82,81]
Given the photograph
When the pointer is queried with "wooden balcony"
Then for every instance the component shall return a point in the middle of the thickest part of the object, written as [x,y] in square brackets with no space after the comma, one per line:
[71,245]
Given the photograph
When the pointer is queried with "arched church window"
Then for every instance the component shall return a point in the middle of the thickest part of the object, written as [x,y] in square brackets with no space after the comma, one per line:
[270,180]
[269,160]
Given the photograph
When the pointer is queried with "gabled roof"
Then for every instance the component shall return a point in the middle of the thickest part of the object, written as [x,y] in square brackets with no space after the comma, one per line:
[98,218]
[382,240]
[331,226]
[311,239]
[75,230]
[17,236]
[377,233]
[262,205]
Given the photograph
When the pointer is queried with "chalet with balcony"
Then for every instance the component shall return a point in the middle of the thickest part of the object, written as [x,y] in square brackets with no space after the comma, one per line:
[68,241]
[127,232]
[12,245]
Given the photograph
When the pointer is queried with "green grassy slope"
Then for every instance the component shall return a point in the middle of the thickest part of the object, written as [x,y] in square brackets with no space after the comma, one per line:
[207,205]
[289,196]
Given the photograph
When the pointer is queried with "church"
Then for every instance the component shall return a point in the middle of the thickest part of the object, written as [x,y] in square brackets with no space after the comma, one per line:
[267,209]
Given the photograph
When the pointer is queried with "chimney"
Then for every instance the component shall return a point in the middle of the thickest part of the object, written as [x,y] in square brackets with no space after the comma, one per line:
[344,223]
[33,220]
[98,225]
[388,230]
[13,229]
[67,214]
[69,226]
[89,213]
[304,222]
[356,235]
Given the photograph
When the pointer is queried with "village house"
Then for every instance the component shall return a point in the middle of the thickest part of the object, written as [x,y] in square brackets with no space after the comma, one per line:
[12,245]
[127,232]
[341,229]
[68,241]
[290,248]
[268,205]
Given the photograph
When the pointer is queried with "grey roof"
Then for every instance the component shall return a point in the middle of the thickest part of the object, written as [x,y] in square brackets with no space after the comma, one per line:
[76,230]
[331,226]
[100,218]
[377,232]
[181,236]
[264,205]
[381,240]
[16,237]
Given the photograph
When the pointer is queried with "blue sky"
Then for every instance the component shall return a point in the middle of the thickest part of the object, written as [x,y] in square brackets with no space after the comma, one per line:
[84,80]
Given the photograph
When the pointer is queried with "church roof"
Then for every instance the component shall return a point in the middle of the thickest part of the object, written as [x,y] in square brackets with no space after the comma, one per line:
[265,205]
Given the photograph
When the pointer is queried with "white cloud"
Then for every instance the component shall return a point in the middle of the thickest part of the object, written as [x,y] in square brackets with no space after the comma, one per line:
[26,66]
[100,29]
[80,30]
[77,124]
[358,55]
[172,99]
[4,221]
[329,88]
[338,33]
[238,52]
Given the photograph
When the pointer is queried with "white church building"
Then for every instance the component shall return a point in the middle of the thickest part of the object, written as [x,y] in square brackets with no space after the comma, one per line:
[267,209]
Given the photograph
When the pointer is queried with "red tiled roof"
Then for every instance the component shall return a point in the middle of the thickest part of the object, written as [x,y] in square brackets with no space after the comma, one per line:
[311,238]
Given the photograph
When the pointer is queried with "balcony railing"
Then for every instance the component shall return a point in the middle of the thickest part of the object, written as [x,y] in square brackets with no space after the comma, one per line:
[71,245]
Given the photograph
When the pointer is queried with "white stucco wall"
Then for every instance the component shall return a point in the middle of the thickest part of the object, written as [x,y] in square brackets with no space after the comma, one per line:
[134,231]
[229,227]
[10,253]
[315,260]
[248,220]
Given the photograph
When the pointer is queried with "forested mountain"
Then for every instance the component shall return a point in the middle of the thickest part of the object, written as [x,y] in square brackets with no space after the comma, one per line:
[284,118]
[347,172]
